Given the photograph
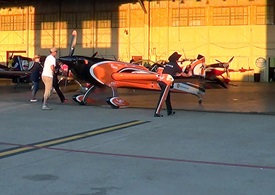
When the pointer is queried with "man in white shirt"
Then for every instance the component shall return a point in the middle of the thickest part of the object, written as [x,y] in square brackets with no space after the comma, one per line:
[47,76]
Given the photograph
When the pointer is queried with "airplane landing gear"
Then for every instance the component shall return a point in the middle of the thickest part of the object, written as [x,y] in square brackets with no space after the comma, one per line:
[82,99]
[116,102]
[79,98]
[108,100]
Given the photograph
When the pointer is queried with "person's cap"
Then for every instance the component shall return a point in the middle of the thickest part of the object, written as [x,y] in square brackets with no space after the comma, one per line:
[36,56]
[177,55]
[53,49]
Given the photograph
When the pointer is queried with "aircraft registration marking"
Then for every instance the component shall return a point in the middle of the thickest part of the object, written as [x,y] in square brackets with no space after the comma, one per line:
[44,144]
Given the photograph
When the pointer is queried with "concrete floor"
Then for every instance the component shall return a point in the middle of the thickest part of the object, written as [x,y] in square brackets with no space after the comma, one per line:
[223,146]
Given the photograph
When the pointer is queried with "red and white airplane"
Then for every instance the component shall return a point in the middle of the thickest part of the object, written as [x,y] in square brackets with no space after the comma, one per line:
[216,74]
[219,72]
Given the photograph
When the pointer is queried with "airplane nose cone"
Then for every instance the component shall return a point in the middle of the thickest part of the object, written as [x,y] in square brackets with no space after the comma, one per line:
[66,60]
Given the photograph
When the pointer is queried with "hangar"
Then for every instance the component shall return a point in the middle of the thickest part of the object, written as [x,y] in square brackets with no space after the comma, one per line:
[148,29]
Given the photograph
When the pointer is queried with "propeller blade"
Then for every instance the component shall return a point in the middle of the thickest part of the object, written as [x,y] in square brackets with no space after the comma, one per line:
[230,60]
[73,43]
[218,61]
[94,55]
[227,67]
[227,72]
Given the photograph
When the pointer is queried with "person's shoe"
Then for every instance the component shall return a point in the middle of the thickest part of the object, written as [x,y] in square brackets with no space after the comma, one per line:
[171,113]
[33,100]
[44,107]
[158,115]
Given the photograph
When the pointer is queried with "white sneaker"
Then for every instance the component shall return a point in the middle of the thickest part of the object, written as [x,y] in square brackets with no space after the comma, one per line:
[44,107]
[33,100]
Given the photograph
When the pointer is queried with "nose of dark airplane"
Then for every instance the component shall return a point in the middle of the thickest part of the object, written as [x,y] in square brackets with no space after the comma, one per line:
[68,60]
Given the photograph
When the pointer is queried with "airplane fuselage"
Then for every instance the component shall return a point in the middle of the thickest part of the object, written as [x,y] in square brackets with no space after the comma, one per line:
[80,67]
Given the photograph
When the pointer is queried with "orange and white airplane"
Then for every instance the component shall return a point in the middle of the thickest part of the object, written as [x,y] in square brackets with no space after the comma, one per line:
[100,72]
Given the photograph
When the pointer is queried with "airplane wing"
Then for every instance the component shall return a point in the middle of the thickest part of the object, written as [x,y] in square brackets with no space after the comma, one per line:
[3,67]
[6,72]
[241,70]
[14,74]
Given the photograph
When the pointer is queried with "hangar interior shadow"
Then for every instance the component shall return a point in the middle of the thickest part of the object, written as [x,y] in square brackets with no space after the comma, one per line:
[270,62]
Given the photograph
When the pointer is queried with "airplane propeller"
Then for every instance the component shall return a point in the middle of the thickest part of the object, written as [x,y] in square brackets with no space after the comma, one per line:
[226,65]
[72,46]
[71,52]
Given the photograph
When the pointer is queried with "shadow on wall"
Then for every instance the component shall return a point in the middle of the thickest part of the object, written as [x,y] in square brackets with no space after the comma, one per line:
[257,76]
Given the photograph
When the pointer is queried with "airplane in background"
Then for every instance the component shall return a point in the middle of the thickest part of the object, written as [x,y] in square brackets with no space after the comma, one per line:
[101,73]
[216,74]
[219,72]
[19,70]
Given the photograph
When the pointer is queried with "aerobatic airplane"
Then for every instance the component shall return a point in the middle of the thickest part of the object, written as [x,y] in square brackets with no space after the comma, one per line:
[215,72]
[115,74]
[20,70]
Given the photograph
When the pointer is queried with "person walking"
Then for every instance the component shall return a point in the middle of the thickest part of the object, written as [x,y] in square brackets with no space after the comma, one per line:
[35,77]
[172,68]
[47,76]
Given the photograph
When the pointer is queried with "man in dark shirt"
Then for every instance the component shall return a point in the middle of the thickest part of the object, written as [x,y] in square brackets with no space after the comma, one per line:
[56,85]
[172,68]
